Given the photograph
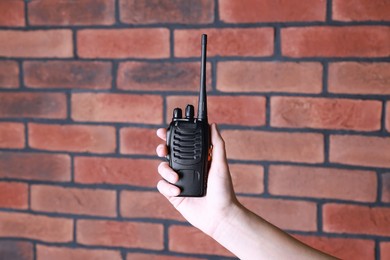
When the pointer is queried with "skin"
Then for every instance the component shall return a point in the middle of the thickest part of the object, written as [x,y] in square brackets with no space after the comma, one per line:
[220,215]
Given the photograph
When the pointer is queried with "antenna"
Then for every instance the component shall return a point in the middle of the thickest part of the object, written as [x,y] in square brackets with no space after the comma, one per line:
[202,103]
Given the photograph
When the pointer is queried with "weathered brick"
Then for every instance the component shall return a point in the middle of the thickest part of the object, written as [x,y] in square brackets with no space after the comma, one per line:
[167,11]
[105,107]
[138,141]
[241,42]
[36,43]
[65,253]
[255,11]
[9,74]
[384,250]
[386,187]
[13,195]
[12,13]
[273,146]
[329,183]
[161,76]
[252,76]
[247,178]
[150,43]
[16,250]
[67,74]
[360,10]
[33,105]
[325,41]
[335,113]
[11,135]
[72,138]
[59,12]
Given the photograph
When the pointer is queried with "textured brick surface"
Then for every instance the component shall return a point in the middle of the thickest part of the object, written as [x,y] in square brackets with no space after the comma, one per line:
[361,10]
[64,253]
[386,187]
[11,135]
[13,195]
[9,74]
[139,141]
[12,13]
[16,250]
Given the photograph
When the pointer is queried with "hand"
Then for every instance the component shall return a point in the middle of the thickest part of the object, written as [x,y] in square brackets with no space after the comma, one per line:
[206,212]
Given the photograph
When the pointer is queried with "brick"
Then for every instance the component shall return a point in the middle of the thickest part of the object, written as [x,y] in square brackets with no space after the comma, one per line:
[12,13]
[386,187]
[30,166]
[247,178]
[242,42]
[186,239]
[233,110]
[324,41]
[137,172]
[342,248]
[329,183]
[138,204]
[255,11]
[360,150]
[9,73]
[120,234]
[16,250]
[274,146]
[13,195]
[47,229]
[326,113]
[285,214]
[360,10]
[253,76]
[56,199]
[359,78]
[140,256]
[64,253]
[33,105]
[161,76]
[356,219]
[36,44]
[167,11]
[58,12]
[138,141]
[72,138]
[11,135]
[387,116]
[125,108]
[384,250]
[67,74]
[150,43]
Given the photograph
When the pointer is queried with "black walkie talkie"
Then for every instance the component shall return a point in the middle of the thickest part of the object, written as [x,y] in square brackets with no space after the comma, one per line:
[188,141]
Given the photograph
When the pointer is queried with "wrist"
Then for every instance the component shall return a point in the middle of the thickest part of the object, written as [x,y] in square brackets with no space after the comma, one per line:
[227,218]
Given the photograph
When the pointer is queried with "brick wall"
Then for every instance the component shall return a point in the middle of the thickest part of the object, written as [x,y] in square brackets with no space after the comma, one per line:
[300,89]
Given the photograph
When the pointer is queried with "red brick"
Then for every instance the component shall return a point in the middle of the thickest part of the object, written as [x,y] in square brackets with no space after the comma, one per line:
[360,10]
[334,113]
[322,41]
[33,105]
[356,219]
[30,166]
[137,204]
[253,76]
[59,12]
[64,253]
[16,250]
[152,43]
[385,250]
[185,239]
[67,74]
[11,135]
[56,199]
[285,214]
[360,150]
[13,195]
[255,11]
[140,256]
[235,110]
[36,44]
[166,11]
[104,107]
[120,234]
[72,138]
[387,116]
[47,229]
[273,146]
[12,13]
[225,42]
[161,76]
[138,141]
[9,73]
[359,78]
[327,183]
[247,178]
[386,187]
[137,172]
[342,248]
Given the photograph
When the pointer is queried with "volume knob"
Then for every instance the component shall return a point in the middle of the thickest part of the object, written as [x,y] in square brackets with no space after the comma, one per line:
[190,112]
[177,114]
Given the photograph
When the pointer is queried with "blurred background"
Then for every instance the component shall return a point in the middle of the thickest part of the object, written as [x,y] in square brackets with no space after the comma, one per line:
[299,88]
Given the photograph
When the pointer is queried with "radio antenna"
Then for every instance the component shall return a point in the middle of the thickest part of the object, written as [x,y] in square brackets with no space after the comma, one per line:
[202,103]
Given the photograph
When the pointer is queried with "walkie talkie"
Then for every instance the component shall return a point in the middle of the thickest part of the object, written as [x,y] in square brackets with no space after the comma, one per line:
[188,141]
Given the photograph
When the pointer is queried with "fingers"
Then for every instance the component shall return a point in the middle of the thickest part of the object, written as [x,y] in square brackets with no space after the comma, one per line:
[162,150]
[167,189]
[167,173]
[218,153]
[162,133]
